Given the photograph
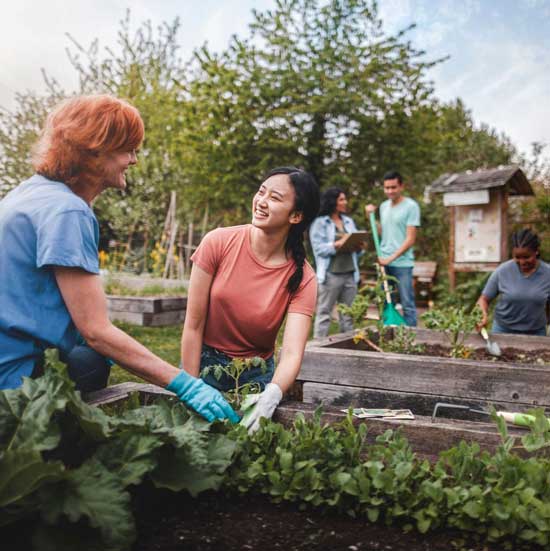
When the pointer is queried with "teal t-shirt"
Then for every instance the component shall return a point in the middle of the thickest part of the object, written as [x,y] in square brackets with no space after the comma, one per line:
[394,221]
[42,224]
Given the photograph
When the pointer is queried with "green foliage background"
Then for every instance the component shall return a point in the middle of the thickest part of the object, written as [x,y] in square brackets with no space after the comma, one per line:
[316,84]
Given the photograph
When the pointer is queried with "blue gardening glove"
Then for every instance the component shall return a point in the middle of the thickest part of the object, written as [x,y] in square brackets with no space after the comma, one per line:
[203,398]
[264,406]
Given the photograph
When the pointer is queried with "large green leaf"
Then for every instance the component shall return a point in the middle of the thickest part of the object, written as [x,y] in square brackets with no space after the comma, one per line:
[181,471]
[21,473]
[26,413]
[97,495]
[129,456]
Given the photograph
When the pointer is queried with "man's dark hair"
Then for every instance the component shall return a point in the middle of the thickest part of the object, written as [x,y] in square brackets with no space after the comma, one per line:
[393,175]
[329,200]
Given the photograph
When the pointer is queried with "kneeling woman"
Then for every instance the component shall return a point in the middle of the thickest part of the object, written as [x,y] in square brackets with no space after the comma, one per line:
[50,290]
[246,279]
[523,287]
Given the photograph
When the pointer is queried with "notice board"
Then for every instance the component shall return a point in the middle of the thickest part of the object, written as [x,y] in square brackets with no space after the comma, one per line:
[478,230]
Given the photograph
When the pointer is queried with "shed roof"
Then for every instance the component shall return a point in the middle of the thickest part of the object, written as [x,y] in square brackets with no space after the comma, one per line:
[510,175]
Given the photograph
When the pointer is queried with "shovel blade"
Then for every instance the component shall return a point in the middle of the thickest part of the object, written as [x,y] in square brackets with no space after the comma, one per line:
[391,316]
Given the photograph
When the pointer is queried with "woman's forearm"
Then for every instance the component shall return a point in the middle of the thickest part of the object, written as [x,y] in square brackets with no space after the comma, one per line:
[191,347]
[286,372]
[131,355]
[483,303]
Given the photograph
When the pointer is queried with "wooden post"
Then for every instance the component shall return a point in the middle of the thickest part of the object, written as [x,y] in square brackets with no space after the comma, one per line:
[170,252]
[189,247]
[452,272]
[503,225]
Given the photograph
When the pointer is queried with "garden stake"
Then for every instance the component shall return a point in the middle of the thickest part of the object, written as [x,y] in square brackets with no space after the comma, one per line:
[390,315]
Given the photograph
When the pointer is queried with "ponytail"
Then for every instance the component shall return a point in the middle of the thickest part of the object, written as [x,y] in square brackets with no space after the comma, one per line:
[295,246]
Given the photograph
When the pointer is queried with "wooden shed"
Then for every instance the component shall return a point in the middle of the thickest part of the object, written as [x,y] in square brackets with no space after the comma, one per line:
[478,208]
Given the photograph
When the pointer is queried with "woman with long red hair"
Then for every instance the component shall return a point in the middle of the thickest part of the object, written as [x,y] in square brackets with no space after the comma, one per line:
[50,291]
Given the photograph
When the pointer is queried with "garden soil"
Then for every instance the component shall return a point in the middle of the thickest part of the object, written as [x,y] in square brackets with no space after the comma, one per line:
[509,355]
[217,522]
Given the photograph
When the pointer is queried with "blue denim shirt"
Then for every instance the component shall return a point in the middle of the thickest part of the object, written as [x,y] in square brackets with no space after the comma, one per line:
[322,235]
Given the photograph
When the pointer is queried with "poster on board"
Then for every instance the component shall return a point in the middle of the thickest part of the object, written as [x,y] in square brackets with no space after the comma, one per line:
[478,231]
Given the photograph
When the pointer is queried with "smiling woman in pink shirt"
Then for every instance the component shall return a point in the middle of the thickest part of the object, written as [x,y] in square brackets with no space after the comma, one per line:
[244,282]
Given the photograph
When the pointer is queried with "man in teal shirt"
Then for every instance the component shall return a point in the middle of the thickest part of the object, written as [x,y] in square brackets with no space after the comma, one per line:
[399,218]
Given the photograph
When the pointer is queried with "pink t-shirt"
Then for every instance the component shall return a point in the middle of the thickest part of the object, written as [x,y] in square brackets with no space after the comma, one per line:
[248,300]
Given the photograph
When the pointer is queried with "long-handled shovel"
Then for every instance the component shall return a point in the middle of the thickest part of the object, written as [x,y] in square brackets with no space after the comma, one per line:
[390,315]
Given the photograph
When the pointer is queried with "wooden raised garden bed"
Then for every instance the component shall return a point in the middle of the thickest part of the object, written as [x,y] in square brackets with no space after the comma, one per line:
[335,371]
[426,438]
[148,311]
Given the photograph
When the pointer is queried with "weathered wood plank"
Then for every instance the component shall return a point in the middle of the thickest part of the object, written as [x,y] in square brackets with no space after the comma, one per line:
[420,404]
[145,304]
[484,381]
[426,438]
[174,317]
[121,391]
[133,304]
[172,303]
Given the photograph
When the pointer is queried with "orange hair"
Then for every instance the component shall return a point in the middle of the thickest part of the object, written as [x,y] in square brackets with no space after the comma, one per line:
[79,131]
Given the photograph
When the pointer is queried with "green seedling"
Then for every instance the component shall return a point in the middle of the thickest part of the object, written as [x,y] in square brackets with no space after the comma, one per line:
[234,370]
[403,339]
[456,323]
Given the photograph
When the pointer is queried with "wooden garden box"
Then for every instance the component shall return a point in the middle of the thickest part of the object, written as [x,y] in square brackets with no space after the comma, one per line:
[148,311]
[335,372]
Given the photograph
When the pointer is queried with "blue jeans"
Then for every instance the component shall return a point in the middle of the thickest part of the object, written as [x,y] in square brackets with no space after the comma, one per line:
[211,356]
[406,291]
[497,328]
[87,368]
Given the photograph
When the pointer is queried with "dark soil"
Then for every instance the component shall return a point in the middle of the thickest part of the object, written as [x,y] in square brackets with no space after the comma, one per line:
[216,522]
[509,355]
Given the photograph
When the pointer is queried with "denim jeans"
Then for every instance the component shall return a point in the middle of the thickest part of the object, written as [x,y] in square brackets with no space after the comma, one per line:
[87,368]
[211,356]
[497,328]
[337,288]
[406,291]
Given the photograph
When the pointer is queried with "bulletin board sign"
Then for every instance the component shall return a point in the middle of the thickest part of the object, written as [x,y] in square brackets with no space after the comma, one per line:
[478,231]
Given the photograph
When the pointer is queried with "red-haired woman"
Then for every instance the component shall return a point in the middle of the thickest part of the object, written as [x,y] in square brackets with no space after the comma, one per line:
[50,290]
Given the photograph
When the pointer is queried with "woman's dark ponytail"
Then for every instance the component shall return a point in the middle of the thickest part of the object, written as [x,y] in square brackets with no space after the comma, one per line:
[295,246]
[307,202]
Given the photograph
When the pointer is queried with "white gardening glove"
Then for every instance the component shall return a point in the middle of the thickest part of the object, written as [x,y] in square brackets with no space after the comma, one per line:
[264,406]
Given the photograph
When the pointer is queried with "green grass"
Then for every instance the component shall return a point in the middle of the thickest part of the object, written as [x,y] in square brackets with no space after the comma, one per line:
[116,288]
[162,341]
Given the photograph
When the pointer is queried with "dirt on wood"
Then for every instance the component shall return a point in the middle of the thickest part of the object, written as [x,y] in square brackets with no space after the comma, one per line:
[509,355]
[217,522]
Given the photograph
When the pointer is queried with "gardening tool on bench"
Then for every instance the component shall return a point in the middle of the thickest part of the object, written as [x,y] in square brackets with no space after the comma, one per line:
[513,417]
[390,315]
[492,346]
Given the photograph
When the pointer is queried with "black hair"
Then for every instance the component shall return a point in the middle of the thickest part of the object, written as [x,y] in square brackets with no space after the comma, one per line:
[526,239]
[393,175]
[329,200]
[306,202]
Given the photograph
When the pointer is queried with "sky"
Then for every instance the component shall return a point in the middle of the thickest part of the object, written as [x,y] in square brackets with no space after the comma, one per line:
[499,50]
